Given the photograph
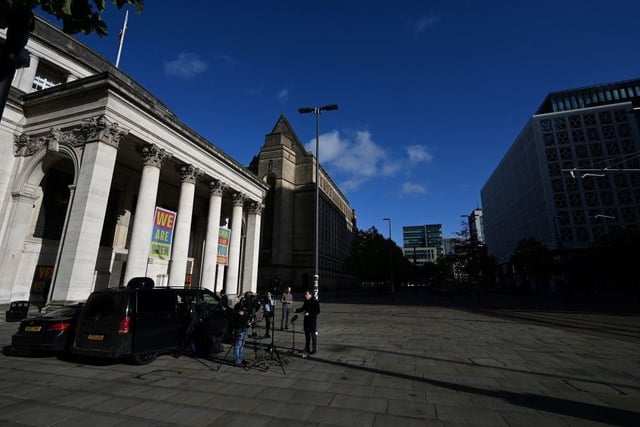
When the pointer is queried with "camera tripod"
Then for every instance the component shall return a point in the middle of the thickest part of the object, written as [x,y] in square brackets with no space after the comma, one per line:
[272,349]
[260,359]
[293,351]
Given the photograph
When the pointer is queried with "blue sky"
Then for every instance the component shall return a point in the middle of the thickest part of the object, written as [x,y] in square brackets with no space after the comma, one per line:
[431,93]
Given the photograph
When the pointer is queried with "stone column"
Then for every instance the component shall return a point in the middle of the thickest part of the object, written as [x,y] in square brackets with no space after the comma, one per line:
[179,252]
[216,190]
[252,248]
[20,219]
[234,246]
[73,279]
[138,255]
[220,278]
[25,82]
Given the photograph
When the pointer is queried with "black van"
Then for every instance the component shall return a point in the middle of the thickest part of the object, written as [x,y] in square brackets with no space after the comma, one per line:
[138,322]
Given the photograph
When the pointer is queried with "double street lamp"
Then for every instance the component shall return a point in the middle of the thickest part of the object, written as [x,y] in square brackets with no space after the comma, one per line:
[317,111]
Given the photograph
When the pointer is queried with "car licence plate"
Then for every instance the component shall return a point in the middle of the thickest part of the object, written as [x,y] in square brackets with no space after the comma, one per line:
[33,328]
[94,337]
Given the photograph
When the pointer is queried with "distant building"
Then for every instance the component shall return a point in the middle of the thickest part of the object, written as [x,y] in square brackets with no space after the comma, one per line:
[450,245]
[572,175]
[422,243]
[476,227]
[287,244]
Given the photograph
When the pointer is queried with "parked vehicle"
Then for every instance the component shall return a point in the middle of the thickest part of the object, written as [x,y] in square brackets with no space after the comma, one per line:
[17,311]
[138,322]
[50,332]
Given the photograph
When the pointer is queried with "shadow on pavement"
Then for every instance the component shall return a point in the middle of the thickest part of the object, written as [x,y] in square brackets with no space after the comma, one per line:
[565,407]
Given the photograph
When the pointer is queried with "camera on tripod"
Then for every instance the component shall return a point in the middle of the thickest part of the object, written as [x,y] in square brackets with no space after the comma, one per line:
[251,304]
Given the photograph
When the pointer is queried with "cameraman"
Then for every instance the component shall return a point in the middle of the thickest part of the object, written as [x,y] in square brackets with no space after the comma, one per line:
[241,319]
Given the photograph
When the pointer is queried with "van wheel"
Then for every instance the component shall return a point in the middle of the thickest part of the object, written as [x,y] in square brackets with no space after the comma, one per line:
[144,358]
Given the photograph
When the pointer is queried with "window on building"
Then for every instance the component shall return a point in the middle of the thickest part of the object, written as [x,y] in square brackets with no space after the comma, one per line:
[48,75]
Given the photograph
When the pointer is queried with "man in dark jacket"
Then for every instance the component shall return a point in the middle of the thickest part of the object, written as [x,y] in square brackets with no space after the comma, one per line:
[240,322]
[311,309]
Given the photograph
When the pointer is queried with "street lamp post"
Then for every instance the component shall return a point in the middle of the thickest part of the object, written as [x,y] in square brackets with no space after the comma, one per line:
[390,256]
[317,111]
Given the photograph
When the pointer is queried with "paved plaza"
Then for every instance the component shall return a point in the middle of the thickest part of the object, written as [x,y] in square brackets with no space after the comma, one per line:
[411,360]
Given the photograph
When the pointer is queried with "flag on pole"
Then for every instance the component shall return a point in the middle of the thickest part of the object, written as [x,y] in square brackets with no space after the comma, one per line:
[121,37]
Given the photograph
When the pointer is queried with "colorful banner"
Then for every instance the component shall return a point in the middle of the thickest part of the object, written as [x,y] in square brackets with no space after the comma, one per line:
[162,236]
[223,246]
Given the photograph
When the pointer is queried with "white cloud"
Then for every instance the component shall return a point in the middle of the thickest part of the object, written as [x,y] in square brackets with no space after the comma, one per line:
[421,25]
[225,59]
[331,146]
[283,95]
[354,161]
[419,154]
[413,188]
[185,66]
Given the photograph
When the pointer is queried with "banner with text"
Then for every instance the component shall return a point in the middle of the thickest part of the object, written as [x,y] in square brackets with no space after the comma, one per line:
[223,246]
[162,236]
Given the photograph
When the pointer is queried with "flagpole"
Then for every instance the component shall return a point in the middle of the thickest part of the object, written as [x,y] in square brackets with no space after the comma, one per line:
[121,36]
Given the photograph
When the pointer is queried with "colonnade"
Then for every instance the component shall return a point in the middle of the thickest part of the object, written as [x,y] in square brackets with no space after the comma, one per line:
[138,253]
[93,149]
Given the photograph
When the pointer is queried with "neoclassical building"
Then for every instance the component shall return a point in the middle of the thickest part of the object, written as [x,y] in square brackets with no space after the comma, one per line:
[100,182]
[287,244]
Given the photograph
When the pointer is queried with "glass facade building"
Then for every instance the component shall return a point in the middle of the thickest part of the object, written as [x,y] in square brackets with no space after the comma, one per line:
[422,243]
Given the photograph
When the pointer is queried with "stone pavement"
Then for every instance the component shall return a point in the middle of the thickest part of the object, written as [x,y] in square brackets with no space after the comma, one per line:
[412,360]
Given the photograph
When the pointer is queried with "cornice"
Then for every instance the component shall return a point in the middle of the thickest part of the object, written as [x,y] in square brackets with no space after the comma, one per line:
[106,83]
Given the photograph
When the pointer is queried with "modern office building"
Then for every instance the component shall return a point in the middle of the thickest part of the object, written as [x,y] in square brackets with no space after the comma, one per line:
[572,175]
[287,245]
[422,243]
[450,245]
[476,226]
[100,182]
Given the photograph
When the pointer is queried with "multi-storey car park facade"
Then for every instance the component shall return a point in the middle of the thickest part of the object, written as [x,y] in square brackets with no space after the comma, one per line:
[87,157]
[572,175]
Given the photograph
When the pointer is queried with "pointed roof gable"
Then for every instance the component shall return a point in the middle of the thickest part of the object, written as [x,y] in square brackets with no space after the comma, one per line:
[284,128]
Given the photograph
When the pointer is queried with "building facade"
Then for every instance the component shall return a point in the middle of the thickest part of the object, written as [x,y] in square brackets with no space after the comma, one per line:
[287,246]
[476,226]
[422,243]
[100,182]
[572,175]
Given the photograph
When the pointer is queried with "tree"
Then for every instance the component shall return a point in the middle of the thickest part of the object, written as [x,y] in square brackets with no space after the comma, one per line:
[78,16]
[533,261]
[375,258]
[368,259]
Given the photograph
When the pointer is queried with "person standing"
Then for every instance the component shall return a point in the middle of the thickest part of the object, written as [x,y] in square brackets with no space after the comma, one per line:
[224,300]
[311,309]
[287,300]
[240,324]
[269,310]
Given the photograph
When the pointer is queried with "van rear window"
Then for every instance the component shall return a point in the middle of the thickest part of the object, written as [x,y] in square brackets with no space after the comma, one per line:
[105,305]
